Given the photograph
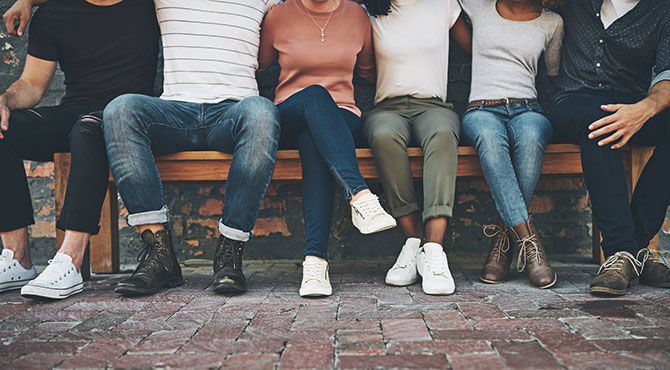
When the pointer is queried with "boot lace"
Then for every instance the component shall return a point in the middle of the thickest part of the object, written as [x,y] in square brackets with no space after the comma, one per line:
[529,250]
[616,262]
[500,248]
[369,207]
[647,254]
[149,258]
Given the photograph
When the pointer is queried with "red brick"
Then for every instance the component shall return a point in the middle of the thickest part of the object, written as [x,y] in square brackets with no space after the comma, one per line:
[251,361]
[37,361]
[405,329]
[360,342]
[9,309]
[211,207]
[446,320]
[162,342]
[230,346]
[481,310]
[562,340]
[634,345]
[47,330]
[440,346]
[481,334]
[98,354]
[525,355]
[24,347]
[595,328]
[512,324]
[269,226]
[603,360]
[542,204]
[477,362]
[393,361]
[314,355]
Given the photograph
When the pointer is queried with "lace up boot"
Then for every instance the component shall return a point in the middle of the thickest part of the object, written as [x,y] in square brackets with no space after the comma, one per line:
[654,272]
[532,256]
[228,276]
[158,266]
[615,275]
[500,254]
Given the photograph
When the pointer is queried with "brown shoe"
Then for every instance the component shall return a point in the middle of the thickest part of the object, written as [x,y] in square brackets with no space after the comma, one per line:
[500,254]
[532,256]
[653,272]
[616,274]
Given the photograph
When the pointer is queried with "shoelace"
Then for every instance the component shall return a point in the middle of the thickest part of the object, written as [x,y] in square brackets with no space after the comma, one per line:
[52,273]
[225,254]
[649,256]
[615,262]
[313,272]
[500,248]
[529,250]
[149,257]
[437,265]
[404,259]
[370,207]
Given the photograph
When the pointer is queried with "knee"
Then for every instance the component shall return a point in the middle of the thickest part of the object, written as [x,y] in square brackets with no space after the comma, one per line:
[260,122]
[443,138]
[386,138]
[119,114]
[87,126]
[316,92]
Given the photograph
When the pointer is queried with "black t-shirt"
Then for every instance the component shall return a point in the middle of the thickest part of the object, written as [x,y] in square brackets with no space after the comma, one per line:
[104,51]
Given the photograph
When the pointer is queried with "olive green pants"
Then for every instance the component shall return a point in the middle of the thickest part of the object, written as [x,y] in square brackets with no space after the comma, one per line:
[396,123]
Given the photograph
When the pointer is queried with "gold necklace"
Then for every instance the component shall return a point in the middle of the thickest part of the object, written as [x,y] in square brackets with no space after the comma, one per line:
[322,29]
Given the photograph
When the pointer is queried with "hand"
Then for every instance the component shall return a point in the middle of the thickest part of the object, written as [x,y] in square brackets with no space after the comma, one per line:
[623,123]
[4,118]
[20,11]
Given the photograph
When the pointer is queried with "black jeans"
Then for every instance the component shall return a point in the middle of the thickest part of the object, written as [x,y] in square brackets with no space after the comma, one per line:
[38,133]
[624,226]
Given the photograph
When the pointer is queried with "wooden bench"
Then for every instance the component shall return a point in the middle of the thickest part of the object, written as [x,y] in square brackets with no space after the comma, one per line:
[560,159]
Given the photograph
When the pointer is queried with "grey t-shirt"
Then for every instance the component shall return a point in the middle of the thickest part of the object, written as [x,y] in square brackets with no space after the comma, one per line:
[505,53]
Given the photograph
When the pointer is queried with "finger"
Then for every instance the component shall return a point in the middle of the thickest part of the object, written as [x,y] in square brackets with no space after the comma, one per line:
[622,142]
[603,121]
[23,23]
[610,107]
[4,119]
[615,136]
[9,24]
[604,130]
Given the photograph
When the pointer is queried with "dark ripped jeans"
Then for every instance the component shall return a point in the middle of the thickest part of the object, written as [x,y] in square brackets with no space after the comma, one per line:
[36,134]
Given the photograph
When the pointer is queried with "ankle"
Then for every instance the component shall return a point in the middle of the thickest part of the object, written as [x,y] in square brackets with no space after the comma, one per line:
[361,193]
[315,258]
[522,230]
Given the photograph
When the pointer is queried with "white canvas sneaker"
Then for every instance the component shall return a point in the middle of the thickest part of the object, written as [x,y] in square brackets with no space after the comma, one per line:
[369,216]
[12,274]
[434,269]
[59,280]
[315,280]
[403,271]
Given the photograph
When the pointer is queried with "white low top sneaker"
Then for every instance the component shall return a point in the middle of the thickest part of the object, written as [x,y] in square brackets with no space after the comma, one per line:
[12,274]
[434,269]
[59,280]
[403,271]
[315,280]
[369,216]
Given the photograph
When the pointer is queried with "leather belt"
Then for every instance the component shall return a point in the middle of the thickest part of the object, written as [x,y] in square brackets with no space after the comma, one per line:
[496,102]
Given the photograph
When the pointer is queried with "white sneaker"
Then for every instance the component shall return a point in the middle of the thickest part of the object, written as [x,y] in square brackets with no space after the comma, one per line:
[369,216]
[12,274]
[59,280]
[403,271]
[434,269]
[315,280]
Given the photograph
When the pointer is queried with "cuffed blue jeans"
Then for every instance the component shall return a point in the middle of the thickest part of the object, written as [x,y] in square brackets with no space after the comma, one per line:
[137,127]
[510,140]
[324,135]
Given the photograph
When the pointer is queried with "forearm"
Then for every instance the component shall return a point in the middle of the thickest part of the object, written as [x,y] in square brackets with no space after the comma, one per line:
[658,98]
[20,94]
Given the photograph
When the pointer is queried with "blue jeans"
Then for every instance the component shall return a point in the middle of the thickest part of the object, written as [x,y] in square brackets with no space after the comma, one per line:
[510,140]
[324,135]
[137,127]
[625,226]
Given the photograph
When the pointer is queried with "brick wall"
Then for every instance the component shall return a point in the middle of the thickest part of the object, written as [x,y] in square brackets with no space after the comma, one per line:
[560,205]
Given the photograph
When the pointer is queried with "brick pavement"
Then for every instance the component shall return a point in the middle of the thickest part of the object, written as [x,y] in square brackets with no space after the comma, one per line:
[365,324]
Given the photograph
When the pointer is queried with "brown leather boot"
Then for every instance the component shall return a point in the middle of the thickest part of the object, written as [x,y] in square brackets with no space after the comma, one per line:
[500,254]
[653,272]
[616,274]
[532,256]
[157,268]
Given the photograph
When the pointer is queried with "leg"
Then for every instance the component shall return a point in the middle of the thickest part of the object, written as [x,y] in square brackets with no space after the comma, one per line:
[487,130]
[437,130]
[529,133]
[388,134]
[250,130]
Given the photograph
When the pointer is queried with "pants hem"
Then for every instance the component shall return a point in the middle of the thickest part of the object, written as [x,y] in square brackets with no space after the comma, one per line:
[234,234]
[437,211]
[405,210]
[161,216]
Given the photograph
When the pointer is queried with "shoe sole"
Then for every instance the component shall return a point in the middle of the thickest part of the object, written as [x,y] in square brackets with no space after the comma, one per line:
[13,285]
[230,288]
[368,230]
[31,291]
[400,283]
[129,290]
[316,294]
[439,292]
[550,284]
[602,291]
[491,281]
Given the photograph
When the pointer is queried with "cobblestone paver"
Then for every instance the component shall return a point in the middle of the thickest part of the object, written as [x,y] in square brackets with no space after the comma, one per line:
[365,324]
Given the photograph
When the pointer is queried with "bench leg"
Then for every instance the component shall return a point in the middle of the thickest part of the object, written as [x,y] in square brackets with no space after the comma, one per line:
[105,245]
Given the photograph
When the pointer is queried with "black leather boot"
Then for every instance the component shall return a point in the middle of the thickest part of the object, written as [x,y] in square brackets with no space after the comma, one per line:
[158,266]
[228,276]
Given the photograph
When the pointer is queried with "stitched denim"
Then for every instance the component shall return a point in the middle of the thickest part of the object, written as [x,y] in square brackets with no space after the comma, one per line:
[510,140]
[137,127]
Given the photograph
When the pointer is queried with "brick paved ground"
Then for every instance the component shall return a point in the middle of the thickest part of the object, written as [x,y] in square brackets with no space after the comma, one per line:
[364,324]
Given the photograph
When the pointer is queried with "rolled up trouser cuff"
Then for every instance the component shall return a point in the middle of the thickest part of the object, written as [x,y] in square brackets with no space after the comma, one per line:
[161,216]
[404,210]
[437,211]
[234,234]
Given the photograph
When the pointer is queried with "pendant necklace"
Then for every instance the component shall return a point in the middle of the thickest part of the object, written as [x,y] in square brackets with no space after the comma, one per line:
[323,29]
